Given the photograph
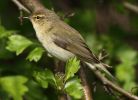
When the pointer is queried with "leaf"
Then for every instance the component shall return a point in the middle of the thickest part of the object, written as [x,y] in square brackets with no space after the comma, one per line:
[125,72]
[128,58]
[34,88]
[18,44]
[14,86]
[4,53]
[127,54]
[74,88]
[36,54]
[44,78]
[5,33]
[59,80]
[72,66]
[130,85]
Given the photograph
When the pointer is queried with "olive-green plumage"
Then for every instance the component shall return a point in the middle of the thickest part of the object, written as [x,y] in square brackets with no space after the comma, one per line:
[61,40]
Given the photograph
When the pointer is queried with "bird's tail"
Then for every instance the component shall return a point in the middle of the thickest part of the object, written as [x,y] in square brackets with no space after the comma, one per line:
[100,67]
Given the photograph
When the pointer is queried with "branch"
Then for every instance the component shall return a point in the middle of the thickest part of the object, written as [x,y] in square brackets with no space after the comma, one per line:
[114,86]
[34,5]
[131,7]
[86,88]
[20,6]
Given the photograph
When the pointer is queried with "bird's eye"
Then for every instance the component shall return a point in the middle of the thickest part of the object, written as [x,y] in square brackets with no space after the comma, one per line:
[38,17]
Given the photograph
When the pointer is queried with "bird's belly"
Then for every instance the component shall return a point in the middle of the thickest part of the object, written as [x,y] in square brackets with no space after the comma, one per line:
[58,52]
[55,50]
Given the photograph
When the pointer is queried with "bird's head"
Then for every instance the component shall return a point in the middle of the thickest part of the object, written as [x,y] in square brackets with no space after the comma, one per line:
[38,18]
[42,18]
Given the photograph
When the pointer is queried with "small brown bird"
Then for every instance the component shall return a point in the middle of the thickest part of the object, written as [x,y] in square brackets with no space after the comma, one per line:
[61,40]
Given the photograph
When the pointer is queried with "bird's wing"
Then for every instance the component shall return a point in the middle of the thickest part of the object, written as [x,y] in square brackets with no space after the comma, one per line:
[69,39]
[72,41]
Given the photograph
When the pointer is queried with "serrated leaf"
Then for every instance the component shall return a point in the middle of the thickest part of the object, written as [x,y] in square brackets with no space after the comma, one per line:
[44,78]
[74,88]
[14,86]
[18,44]
[72,66]
[36,54]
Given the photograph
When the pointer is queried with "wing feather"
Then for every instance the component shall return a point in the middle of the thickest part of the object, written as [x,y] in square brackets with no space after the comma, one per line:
[71,40]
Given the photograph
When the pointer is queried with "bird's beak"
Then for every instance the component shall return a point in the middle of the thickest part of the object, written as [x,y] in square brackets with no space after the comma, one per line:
[26,17]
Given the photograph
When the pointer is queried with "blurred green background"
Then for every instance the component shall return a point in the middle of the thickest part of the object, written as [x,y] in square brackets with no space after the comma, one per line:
[105,24]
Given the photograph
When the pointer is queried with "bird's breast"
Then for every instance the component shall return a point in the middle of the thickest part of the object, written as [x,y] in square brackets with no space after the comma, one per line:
[52,48]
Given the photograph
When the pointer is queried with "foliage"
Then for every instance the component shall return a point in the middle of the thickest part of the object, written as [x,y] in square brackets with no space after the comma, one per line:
[67,83]
[44,78]
[18,44]
[26,71]
[128,61]
[36,54]
[71,68]
[74,88]
[14,86]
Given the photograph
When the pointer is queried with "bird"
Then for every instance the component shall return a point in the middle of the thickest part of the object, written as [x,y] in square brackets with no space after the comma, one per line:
[62,41]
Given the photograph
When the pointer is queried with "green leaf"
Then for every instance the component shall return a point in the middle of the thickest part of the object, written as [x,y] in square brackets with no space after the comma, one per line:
[128,57]
[14,86]
[127,54]
[129,86]
[4,53]
[18,44]
[72,66]
[74,88]
[59,80]
[125,72]
[34,88]
[44,78]
[36,54]
[5,33]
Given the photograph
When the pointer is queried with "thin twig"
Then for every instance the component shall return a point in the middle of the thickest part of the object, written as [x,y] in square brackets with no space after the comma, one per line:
[20,6]
[114,86]
[111,92]
[131,7]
